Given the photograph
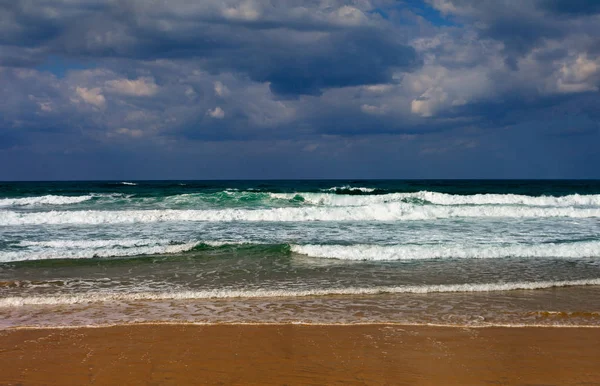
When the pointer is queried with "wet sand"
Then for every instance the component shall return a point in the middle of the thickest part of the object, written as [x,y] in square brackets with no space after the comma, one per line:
[300,354]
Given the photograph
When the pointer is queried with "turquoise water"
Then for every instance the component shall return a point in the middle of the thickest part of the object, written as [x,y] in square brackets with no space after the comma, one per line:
[519,246]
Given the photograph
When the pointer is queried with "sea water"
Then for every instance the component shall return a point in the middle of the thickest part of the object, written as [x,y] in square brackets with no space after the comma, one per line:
[424,252]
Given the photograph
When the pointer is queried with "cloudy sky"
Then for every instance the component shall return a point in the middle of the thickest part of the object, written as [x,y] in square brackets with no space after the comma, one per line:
[209,89]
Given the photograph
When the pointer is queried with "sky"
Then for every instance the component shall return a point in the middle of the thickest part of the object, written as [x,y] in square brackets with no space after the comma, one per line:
[227,89]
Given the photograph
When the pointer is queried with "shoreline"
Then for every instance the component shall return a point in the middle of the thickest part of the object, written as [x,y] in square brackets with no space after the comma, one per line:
[167,353]
[565,307]
[302,324]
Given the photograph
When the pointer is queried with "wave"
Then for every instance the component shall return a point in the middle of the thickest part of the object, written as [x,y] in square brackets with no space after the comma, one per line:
[93,243]
[75,249]
[249,197]
[44,200]
[421,252]
[352,190]
[233,198]
[17,301]
[237,198]
[128,183]
[225,198]
[378,212]
[435,198]
[86,249]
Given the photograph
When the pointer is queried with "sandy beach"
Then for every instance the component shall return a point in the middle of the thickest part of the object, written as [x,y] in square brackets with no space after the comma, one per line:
[300,354]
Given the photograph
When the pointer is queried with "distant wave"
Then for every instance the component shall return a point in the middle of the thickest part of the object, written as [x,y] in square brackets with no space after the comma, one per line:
[426,197]
[236,198]
[350,190]
[128,183]
[44,200]
[17,301]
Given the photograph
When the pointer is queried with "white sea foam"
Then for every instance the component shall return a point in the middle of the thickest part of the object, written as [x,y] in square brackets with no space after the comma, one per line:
[378,212]
[70,249]
[44,200]
[219,243]
[351,188]
[128,183]
[326,199]
[329,199]
[94,243]
[79,249]
[418,252]
[17,301]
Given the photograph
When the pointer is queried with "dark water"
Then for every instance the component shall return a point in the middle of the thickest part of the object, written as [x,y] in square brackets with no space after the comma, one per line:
[164,188]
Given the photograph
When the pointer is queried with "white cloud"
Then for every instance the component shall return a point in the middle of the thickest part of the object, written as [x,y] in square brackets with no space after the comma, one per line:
[578,75]
[45,106]
[348,16]
[139,87]
[92,96]
[216,113]
[220,89]
[134,133]
[189,92]
[423,107]
[375,110]
[247,11]
[379,88]
[310,147]
[446,7]
[438,88]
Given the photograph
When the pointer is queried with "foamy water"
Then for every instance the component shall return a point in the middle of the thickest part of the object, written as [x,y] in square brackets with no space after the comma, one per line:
[73,245]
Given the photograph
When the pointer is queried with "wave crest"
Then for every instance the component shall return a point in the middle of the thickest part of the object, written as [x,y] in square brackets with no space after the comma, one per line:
[421,252]
[274,293]
[75,249]
[359,197]
[378,212]
[44,200]
[435,198]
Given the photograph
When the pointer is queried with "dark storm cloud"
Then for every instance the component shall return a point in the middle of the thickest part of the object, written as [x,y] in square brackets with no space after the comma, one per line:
[320,88]
[298,52]
[524,25]
[343,59]
[573,7]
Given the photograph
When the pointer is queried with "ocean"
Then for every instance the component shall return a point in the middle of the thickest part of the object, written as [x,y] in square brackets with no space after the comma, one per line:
[443,252]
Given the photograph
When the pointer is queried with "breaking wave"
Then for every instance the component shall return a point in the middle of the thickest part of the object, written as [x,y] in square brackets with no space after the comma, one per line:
[16,301]
[377,212]
[362,197]
[352,190]
[426,197]
[421,252]
[44,200]
[75,249]
[88,249]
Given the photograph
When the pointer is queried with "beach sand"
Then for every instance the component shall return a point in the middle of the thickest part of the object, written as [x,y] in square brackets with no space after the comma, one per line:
[300,354]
